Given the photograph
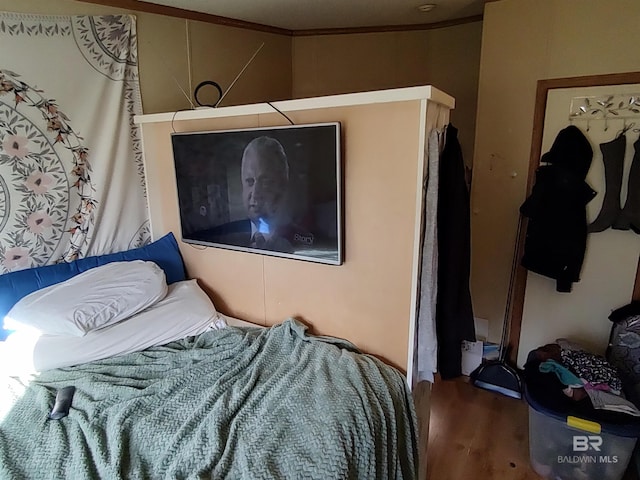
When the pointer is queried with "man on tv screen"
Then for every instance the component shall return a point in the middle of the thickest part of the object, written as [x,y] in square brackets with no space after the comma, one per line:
[265,178]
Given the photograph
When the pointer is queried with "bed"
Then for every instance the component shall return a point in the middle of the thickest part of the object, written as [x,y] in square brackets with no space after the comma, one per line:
[215,398]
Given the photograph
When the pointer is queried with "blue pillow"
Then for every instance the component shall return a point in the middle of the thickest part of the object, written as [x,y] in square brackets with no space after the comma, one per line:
[164,252]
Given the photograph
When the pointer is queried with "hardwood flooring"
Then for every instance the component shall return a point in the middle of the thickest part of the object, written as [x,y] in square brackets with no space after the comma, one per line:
[473,434]
[476,434]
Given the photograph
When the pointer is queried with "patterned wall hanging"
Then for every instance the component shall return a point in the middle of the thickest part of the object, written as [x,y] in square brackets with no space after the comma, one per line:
[71,170]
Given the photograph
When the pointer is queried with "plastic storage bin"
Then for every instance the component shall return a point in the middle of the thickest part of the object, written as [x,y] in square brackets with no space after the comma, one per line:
[570,448]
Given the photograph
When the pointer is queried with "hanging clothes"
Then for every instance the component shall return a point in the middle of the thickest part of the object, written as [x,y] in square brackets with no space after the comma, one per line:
[454,312]
[611,213]
[556,236]
[613,160]
[629,217]
[427,342]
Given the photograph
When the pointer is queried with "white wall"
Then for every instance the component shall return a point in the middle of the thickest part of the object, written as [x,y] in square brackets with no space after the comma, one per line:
[609,269]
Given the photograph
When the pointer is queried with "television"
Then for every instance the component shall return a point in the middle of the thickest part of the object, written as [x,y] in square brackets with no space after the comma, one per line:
[272,190]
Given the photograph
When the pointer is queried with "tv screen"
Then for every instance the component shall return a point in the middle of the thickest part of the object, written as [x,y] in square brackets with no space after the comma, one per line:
[274,191]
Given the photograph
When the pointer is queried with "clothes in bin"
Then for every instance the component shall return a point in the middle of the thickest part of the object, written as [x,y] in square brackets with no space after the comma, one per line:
[566,447]
[580,424]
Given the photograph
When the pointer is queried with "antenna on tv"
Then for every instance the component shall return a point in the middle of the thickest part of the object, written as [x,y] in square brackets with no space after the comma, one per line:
[239,75]
[175,80]
[183,92]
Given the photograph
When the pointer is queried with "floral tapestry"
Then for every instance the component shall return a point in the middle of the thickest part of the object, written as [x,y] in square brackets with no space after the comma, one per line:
[71,170]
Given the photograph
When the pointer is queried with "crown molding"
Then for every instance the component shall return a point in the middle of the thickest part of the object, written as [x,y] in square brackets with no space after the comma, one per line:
[386,28]
[189,15]
[232,22]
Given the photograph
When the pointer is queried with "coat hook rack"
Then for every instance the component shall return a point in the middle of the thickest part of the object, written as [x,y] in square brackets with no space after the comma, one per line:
[605,107]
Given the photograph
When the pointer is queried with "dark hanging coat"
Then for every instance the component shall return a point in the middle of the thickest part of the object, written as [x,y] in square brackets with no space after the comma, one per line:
[557,229]
[454,313]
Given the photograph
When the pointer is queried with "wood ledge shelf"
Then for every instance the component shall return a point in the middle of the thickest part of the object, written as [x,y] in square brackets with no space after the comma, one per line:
[425,92]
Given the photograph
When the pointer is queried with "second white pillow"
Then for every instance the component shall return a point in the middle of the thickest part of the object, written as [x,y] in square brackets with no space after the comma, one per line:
[91,300]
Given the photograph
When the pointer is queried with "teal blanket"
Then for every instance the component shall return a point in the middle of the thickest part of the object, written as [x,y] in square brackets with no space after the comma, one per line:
[228,404]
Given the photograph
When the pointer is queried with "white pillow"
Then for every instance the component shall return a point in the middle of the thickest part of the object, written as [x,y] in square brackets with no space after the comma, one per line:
[185,311]
[91,300]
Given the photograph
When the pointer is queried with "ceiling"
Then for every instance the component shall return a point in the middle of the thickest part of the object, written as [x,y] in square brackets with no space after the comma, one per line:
[327,14]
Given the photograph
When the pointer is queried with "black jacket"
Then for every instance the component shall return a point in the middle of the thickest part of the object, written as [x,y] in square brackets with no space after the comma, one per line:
[454,311]
[557,230]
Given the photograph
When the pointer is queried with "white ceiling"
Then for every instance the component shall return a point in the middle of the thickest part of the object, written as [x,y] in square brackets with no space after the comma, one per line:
[313,14]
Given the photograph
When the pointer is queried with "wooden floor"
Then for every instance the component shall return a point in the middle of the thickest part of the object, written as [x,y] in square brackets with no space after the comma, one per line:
[474,434]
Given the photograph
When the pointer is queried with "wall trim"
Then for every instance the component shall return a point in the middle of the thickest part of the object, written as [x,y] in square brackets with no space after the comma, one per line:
[426,92]
[386,28]
[232,22]
[189,15]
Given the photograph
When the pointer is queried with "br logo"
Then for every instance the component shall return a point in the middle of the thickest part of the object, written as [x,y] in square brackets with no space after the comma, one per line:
[583,443]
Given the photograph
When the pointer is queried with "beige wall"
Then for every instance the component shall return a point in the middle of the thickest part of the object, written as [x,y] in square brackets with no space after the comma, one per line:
[524,41]
[368,298]
[216,52]
[447,58]
[220,53]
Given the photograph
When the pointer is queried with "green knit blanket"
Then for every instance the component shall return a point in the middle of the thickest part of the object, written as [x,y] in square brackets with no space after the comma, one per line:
[234,403]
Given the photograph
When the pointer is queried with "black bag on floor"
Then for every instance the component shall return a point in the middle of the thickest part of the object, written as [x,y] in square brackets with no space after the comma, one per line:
[623,351]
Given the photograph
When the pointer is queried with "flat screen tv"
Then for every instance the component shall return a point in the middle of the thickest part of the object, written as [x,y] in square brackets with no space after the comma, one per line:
[273,191]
